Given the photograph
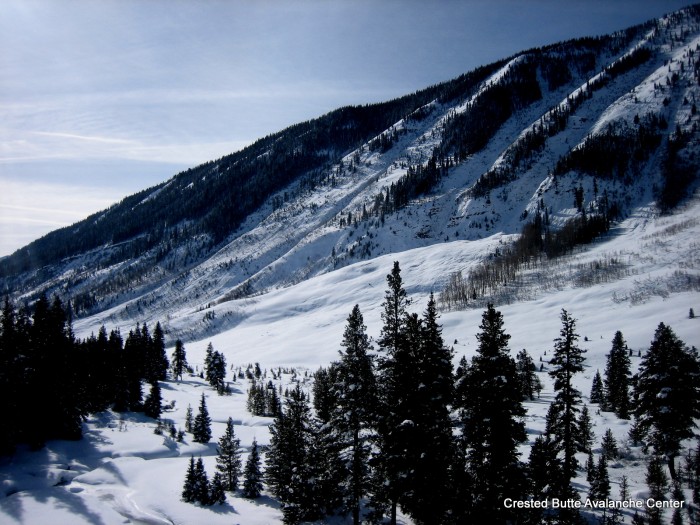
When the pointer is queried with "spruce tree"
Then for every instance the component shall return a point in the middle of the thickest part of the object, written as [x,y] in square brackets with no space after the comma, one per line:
[585,431]
[189,494]
[179,361]
[597,392]
[201,485]
[544,474]
[228,461]
[493,426]
[352,417]
[609,445]
[291,468]
[152,406]
[668,394]
[600,485]
[217,492]
[325,393]
[189,419]
[568,360]
[201,427]
[215,364]
[618,378]
[395,373]
[658,487]
[431,489]
[527,375]
[252,475]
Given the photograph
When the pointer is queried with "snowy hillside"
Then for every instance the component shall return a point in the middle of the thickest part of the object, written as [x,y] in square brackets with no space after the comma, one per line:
[278,291]
[350,212]
[122,471]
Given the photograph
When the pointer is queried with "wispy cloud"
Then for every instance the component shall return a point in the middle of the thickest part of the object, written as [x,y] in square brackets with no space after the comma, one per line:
[28,211]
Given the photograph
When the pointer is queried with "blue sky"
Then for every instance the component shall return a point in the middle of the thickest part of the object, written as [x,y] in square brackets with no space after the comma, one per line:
[99,99]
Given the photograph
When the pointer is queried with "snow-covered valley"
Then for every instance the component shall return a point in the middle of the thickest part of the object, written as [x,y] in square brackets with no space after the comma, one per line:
[278,293]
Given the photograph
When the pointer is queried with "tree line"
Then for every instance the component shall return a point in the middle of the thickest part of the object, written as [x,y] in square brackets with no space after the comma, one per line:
[398,427]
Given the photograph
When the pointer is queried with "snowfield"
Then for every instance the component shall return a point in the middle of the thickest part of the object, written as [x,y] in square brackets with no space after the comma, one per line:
[122,472]
[302,272]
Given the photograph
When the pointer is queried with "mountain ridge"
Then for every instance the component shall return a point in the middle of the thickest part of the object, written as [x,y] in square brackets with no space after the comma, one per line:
[452,168]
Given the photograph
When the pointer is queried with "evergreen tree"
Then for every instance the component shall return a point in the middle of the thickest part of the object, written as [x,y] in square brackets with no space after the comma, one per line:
[590,468]
[527,375]
[189,494]
[228,461]
[600,486]
[544,474]
[325,392]
[585,431]
[156,359]
[492,425]
[152,406]
[658,487]
[201,427]
[252,476]
[597,393]
[351,419]
[291,468]
[609,445]
[567,361]
[179,362]
[396,375]
[134,369]
[617,377]
[668,393]
[215,365]
[217,492]
[201,484]
[431,490]
[189,419]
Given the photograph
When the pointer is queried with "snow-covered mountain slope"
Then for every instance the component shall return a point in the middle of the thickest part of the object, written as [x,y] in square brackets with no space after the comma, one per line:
[279,290]
[121,472]
[341,222]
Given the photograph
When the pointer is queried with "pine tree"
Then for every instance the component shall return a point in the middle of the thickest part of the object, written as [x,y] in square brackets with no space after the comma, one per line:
[189,494]
[567,361]
[597,393]
[527,376]
[217,492]
[152,406]
[201,485]
[668,393]
[492,425]
[155,360]
[585,431]
[252,476]
[658,487]
[609,445]
[228,461]
[544,473]
[617,377]
[179,362]
[215,366]
[590,468]
[291,468]
[600,486]
[201,427]
[189,419]
[352,417]
[431,488]
[325,393]
[395,379]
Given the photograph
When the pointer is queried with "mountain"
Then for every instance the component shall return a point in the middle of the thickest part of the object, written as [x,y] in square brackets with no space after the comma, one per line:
[561,177]
[598,126]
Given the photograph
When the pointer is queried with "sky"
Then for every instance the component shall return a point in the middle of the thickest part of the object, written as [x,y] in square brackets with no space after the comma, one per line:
[100,99]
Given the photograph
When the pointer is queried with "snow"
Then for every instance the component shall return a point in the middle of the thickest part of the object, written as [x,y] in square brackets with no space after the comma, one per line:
[121,472]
